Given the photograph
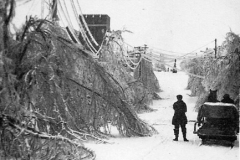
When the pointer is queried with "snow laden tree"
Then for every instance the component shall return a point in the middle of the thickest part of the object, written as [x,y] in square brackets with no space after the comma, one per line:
[194,83]
[144,74]
[54,96]
[221,73]
[141,88]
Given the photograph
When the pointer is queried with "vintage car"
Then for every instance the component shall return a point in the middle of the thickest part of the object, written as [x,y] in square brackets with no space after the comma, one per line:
[174,70]
[217,121]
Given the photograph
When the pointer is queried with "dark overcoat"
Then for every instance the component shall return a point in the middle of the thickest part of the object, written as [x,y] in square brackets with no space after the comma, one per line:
[227,100]
[179,117]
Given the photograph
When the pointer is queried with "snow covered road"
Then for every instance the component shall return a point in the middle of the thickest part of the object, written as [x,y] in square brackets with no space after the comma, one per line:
[161,146]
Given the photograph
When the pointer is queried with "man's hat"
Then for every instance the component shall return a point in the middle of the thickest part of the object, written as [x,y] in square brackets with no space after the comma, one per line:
[179,96]
[226,96]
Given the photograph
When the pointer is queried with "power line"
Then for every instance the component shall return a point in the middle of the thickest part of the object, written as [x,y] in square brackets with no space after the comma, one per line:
[149,58]
[82,31]
[197,48]
[153,58]
[68,22]
[65,13]
[30,9]
[180,57]
[161,53]
[85,24]
[167,50]
[67,16]
[178,52]
[22,2]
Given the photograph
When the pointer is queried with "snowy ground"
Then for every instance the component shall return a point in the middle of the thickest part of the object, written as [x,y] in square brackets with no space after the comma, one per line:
[161,146]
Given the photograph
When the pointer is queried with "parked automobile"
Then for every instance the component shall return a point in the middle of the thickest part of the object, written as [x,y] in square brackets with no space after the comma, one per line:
[217,121]
[174,70]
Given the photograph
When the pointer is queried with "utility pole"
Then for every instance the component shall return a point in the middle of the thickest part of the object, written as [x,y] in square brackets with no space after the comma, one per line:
[175,66]
[54,10]
[42,8]
[145,48]
[215,48]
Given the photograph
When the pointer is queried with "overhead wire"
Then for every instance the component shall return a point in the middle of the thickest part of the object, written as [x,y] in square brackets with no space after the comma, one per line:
[30,9]
[22,2]
[197,49]
[69,23]
[85,24]
[76,17]
[136,64]
[180,52]
[151,57]
[173,57]
[167,50]
[161,53]
[198,76]
[92,48]
[68,19]
[181,57]
[60,17]
[51,9]
[126,58]
[68,16]
[63,12]
[100,48]
[128,44]
[87,29]
[82,29]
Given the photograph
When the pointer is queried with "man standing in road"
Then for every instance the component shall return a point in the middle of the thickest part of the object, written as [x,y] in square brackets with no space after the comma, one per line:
[179,119]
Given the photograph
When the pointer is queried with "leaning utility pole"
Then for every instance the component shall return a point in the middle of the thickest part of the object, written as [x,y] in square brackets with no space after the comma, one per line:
[42,8]
[54,10]
[145,48]
[215,48]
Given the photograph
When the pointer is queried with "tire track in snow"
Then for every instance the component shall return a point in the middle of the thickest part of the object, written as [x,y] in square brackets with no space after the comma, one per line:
[154,148]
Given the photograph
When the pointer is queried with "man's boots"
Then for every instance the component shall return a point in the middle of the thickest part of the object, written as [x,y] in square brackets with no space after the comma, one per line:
[184,132]
[176,132]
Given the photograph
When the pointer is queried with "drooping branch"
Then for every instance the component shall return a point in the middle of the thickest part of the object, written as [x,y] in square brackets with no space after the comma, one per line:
[62,91]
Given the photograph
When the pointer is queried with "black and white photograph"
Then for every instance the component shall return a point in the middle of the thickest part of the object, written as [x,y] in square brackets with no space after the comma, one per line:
[119,79]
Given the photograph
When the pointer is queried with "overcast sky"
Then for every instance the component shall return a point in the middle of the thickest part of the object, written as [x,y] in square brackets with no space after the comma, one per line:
[175,25]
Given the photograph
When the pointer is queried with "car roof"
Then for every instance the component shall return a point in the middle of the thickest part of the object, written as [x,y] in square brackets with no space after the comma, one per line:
[219,110]
[219,104]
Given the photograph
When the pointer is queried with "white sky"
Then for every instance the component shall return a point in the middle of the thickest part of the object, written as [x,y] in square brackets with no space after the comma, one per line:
[176,25]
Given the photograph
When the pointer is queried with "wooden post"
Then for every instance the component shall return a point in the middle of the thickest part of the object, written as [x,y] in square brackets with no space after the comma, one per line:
[42,8]
[145,48]
[215,48]
[54,10]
